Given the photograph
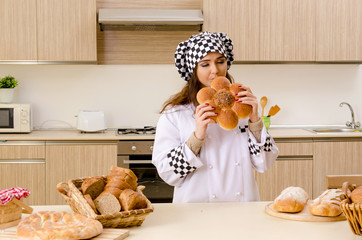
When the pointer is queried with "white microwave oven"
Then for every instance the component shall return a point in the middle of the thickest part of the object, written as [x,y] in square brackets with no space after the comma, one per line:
[15,118]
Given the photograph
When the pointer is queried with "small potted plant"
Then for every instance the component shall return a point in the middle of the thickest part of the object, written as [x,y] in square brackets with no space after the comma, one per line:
[7,85]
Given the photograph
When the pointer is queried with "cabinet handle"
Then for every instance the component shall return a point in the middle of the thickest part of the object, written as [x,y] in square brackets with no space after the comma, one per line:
[136,161]
[21,161]
[300,157]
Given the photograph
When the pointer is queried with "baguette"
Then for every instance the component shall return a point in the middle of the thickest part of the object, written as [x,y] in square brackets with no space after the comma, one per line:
[291,199]
[327,204]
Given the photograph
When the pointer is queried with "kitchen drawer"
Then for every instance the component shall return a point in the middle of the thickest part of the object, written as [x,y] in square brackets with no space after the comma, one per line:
[22,150]
[295,147]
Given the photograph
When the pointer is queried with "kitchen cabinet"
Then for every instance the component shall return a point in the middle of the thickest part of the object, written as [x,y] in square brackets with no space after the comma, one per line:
[339,30]
[75,159]
[18,40]
[287,30]
[48,30]
[265,30]
[240,20]
[335,157]
[67,30]
[293,167]
[22,164]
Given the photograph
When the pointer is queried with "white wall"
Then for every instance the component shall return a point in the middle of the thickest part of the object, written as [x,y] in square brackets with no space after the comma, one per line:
[132,95]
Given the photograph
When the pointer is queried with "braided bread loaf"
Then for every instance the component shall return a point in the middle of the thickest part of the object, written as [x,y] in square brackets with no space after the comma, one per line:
[58,225]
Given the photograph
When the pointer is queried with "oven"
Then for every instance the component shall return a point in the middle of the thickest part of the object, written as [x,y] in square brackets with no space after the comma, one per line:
[137,156]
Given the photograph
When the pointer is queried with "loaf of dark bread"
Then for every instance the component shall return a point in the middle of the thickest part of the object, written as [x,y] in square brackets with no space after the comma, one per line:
[130,200]
[93,186]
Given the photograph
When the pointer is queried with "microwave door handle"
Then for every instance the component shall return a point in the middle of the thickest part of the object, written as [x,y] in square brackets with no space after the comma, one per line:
[137,161]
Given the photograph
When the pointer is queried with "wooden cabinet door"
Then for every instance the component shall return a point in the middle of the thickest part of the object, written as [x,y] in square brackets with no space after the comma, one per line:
[293,167]
[69,160]
[287,30]
[335,158]
[67,30]
[339,30]
[22,164]
[239,19]
[18,30]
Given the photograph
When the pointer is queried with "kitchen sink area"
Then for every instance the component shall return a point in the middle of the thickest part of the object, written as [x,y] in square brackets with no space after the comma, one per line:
[334,130]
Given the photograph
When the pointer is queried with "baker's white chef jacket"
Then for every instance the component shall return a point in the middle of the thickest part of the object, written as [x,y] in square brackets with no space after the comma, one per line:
[222,171]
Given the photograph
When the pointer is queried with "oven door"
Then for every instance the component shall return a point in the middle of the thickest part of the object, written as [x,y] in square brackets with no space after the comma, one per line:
[156,190]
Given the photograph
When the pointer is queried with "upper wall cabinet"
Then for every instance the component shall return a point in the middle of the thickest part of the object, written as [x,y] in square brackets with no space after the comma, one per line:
[287,30]
[48,30]
[240,20]
[18,30]
[67,30]
[339,30]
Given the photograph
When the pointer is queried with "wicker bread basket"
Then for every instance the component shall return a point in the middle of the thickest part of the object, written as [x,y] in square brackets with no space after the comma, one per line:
[121,219]
[352,211]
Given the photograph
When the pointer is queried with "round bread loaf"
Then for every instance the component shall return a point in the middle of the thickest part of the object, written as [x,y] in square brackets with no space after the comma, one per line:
[58,225]
[291,199]
[327,204]
[356,195]
[221,95]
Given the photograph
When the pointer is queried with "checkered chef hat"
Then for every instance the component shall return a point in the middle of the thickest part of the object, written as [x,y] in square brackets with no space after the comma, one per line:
[190,52]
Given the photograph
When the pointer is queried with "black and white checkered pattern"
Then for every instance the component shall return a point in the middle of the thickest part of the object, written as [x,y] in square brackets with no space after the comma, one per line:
[255,149]
[190,52]
[243,129]
[178,163]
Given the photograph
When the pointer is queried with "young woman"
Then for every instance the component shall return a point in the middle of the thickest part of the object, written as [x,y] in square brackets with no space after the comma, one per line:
[204,162]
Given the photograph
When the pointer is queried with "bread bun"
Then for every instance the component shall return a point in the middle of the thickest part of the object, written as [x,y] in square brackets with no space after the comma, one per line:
[227,119]
[221,95]
[327,204]
[356,195]
[220,83]
[291,199]
[205,94]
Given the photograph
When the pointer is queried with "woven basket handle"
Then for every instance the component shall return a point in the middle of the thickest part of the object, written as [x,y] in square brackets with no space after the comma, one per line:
[63,188]
[347,188]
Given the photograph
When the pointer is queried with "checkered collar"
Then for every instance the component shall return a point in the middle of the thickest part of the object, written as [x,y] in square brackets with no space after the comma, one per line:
[190,52]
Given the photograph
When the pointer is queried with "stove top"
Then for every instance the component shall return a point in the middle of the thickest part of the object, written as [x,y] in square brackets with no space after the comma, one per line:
[146,130]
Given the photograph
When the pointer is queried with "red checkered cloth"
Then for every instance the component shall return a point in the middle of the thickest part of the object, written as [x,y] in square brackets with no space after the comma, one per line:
[6,195]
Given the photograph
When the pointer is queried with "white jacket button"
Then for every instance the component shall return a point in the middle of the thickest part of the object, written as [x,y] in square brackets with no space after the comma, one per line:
[213,196]
[210,166]
[238,194]
[237,164]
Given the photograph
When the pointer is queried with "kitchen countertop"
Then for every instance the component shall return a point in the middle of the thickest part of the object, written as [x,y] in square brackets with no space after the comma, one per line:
[225,221]
[111,135]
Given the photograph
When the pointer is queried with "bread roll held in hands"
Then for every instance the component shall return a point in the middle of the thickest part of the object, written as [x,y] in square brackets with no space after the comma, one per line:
[356,195]
[221,95]
[327,204]
[291,199]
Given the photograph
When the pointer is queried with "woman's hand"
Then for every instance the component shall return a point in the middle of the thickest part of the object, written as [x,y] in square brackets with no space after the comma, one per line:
[202,119]
[247,97]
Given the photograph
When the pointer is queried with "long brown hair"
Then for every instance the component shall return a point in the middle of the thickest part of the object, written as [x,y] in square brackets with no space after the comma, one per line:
[189,91]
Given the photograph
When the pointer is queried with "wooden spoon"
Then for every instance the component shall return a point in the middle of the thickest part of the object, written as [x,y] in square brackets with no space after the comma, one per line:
[273,110]
[263,102]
